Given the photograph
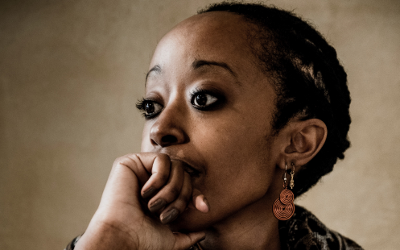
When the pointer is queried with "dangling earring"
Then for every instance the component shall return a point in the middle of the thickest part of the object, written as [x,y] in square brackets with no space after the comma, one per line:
[283,207]
[292,177]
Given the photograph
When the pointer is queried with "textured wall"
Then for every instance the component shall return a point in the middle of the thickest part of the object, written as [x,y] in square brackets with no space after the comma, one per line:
[71,72]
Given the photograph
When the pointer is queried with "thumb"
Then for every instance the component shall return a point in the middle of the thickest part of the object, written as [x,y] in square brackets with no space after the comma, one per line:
[185,241]
[199,201]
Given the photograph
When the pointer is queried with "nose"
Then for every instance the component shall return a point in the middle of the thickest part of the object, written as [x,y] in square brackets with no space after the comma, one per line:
[169,129]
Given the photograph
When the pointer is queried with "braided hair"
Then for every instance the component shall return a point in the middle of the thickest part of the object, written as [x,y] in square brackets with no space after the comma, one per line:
[308,79]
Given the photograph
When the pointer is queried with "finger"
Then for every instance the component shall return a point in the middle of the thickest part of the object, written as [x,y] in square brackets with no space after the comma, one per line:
[180,204]
[199,201]
[171,190]
[121,184]
[160,173]
[142,164]
[133,162]
[185,241]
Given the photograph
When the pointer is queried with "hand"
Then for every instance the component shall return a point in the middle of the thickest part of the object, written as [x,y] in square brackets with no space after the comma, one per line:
[123,219]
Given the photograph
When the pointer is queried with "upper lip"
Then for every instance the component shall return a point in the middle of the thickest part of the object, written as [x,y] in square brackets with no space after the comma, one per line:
[187,166]
[188,162]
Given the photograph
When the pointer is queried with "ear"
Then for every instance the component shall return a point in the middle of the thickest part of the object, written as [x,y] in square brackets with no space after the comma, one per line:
[306,140]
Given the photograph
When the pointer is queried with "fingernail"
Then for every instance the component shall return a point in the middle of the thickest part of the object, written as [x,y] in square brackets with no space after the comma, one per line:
[169,216]
[157,205]
[148,193]
[206,202]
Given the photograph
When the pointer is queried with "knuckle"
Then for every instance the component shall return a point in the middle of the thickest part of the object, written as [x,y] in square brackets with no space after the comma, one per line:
[163,177]
[122,159]
[174,192]
[184,198]
[129,160]
[181,204]
[118,160]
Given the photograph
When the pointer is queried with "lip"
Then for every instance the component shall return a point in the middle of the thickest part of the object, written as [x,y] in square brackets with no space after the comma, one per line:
[188,167]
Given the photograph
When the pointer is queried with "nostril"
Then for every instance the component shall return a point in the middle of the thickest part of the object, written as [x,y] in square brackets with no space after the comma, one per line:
[168,139]
[154,142]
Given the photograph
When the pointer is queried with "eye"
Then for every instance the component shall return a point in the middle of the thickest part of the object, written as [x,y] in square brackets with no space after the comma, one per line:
[203,100]
[150,108]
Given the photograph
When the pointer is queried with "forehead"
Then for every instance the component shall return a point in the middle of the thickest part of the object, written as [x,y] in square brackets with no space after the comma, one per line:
[217,36]
[221,24]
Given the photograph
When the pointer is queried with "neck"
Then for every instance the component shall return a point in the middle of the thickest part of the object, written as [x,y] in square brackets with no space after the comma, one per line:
[253,227]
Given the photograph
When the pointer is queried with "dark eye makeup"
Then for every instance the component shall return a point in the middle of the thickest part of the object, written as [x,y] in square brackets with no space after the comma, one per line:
[200,99]
[149,107]
[203,99]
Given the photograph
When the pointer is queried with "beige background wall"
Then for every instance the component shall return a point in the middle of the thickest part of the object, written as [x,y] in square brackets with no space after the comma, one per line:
[71,72]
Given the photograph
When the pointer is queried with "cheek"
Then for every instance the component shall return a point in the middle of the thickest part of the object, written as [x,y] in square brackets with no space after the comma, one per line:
[146,144]
[233,143]
[239,166]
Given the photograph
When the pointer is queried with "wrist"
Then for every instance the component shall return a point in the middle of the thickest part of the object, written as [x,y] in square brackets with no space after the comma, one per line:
[102,235]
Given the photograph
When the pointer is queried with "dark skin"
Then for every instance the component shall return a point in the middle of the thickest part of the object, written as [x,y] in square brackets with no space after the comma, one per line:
[211,166]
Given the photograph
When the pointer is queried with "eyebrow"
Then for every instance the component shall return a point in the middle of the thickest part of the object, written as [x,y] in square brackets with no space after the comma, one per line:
[156,69]
[196,65]
[200,63]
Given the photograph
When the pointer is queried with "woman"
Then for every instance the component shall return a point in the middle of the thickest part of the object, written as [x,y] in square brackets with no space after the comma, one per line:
[244,105]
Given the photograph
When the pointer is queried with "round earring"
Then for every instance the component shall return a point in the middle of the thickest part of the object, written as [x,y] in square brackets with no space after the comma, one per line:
[283,207]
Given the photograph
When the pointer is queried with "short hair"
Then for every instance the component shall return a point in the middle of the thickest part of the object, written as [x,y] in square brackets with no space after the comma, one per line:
[307,76]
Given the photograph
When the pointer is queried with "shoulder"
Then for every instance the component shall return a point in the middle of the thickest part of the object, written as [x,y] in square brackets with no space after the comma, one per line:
[305,231]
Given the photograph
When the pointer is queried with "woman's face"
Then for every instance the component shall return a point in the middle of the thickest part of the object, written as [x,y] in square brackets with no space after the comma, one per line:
[210,106]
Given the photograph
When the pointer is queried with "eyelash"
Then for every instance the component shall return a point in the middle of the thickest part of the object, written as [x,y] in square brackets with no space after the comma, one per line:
[141,104]
[197,92]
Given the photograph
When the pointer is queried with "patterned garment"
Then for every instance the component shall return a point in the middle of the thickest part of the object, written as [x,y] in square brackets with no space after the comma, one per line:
[302,232]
